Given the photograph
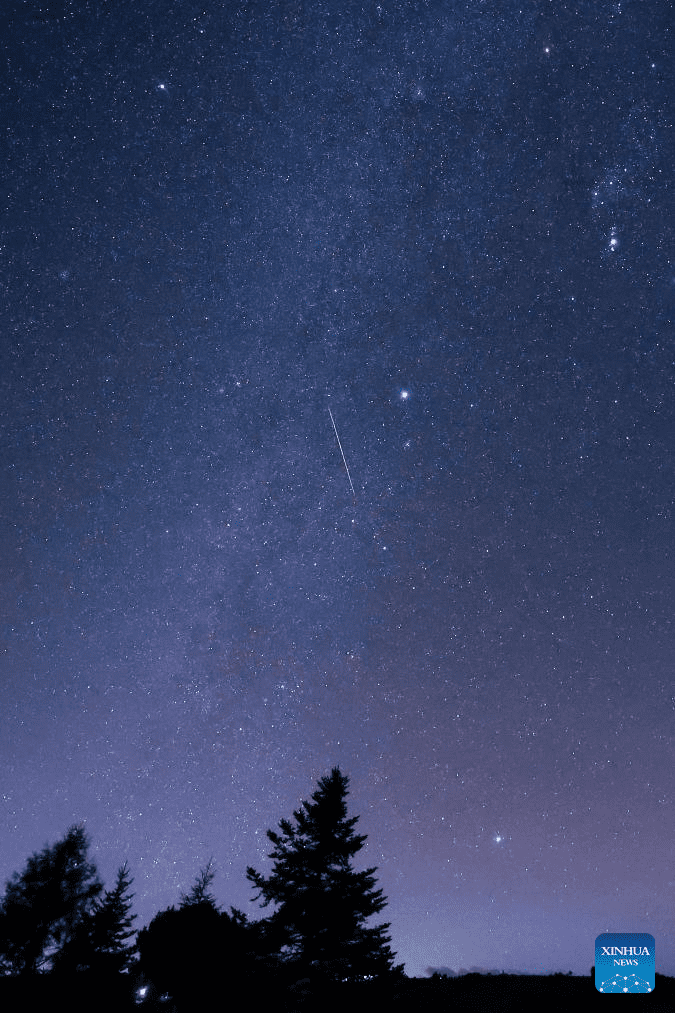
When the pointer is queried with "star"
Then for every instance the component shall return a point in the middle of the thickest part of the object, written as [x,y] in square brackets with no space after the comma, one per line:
[215,305]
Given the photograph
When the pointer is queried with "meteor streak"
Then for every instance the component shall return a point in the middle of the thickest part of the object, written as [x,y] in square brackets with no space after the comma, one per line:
[344,461]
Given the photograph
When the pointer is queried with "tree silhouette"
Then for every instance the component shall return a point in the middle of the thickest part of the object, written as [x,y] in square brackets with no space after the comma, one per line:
[318,928]
[43,907]
[200,894]
[187,952]
[99,942]
[112,925]
[178,951]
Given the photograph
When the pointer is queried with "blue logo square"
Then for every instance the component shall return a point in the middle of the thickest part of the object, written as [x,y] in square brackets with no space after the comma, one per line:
[625,962]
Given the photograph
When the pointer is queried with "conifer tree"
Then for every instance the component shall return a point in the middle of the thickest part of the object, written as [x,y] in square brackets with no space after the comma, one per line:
[200,893]
[112,924]
[44,906]
[100,941]
[319,925]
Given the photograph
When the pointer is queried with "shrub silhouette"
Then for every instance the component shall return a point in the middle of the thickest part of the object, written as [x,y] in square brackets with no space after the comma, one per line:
[186,952]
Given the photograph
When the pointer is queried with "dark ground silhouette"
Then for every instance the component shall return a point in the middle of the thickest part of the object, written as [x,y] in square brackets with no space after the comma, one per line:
[468,993]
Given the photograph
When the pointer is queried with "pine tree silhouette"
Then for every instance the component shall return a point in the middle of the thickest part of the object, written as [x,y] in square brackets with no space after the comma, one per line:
[319,927]
[44,907]
[99,942]
[200,893]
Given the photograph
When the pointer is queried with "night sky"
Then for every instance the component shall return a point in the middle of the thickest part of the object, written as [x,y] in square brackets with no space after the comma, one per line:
[448,226]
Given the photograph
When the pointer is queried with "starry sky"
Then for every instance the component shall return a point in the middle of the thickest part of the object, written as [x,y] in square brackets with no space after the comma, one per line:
[337,420]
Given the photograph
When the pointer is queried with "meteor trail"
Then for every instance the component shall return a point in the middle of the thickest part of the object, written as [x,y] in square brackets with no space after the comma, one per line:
[344,461]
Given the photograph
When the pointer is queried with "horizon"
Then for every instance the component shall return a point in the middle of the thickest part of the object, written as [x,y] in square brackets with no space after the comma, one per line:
[413,967]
